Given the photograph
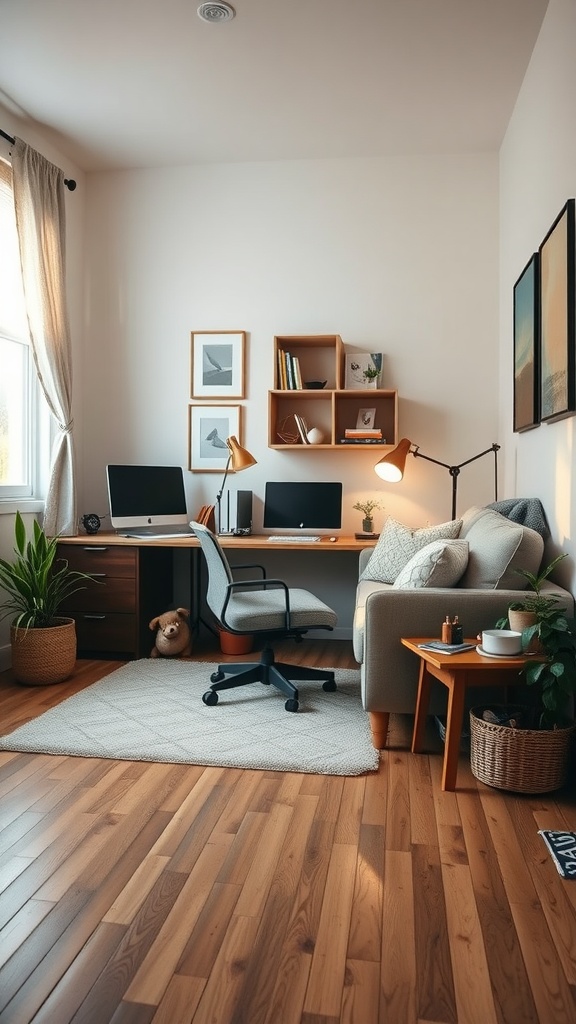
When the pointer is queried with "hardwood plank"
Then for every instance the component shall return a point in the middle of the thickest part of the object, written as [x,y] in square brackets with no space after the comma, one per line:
[327,971]
[508,976]
[399,971]
[180,1001]
[435,983]
[361,995]
[474,1001]
[365,938]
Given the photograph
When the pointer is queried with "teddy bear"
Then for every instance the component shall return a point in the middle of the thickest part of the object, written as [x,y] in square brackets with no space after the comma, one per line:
[173,637]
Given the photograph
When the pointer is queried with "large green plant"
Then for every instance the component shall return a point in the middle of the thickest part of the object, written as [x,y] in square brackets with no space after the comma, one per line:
[34,586]
[555,672]
[553,633]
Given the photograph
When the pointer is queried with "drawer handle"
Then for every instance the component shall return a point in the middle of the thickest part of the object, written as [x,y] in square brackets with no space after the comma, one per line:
[98,573]
[96,547]
[93,616]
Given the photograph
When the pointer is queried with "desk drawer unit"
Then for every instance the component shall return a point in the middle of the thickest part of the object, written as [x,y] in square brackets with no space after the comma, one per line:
[130,586]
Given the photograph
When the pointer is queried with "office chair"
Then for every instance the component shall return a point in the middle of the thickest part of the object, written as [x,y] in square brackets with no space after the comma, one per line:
[260,606]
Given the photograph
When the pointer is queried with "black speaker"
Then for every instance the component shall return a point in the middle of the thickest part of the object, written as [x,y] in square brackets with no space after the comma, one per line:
[243,525]
[237,513]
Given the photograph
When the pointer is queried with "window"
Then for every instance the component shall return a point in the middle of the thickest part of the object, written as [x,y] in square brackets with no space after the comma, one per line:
[22,409]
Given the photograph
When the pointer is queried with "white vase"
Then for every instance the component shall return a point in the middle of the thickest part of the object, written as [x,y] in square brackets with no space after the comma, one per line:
[315,436]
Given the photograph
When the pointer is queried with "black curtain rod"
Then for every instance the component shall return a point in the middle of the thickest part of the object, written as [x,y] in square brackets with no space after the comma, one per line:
[69,182]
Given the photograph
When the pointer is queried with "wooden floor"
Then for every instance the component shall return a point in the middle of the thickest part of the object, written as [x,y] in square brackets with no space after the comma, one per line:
[135,892]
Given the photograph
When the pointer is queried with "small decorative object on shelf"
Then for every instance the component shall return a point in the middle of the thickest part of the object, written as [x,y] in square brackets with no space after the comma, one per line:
[315,436]
[288,430]
[367,507]
[363,369]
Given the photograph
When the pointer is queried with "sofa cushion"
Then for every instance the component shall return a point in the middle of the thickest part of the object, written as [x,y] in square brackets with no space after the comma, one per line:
[397,544]
[439,564]
[498,547]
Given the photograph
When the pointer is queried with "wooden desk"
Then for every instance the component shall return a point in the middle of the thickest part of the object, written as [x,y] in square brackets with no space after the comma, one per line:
[138,573]
[457,672]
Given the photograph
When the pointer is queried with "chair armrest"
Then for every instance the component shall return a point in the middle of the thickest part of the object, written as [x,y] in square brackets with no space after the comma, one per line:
[250,565]
[257,585]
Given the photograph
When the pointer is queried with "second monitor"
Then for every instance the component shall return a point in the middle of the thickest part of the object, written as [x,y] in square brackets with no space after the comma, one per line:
[302,506]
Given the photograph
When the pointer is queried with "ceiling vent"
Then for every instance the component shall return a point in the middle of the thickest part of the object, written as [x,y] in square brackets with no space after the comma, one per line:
[216,12]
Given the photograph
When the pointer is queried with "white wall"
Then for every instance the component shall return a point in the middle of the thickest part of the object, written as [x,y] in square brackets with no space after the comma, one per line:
[396,255]
[537,176]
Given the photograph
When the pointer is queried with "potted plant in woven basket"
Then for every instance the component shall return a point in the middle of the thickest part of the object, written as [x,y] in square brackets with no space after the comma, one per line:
[43,643]
[526,750]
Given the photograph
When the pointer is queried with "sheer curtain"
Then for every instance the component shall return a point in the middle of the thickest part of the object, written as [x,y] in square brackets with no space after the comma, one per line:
[40,218]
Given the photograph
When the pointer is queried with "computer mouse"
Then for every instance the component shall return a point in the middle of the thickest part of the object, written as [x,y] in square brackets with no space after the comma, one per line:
[333,539]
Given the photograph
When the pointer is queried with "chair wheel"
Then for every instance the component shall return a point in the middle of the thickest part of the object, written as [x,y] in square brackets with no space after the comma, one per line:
[216,677]
[329,685]
[291,705]
[210,697]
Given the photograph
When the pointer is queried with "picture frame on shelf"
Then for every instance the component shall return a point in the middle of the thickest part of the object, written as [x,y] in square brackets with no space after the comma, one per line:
[365,419]
[526,293]
[557,318]
[208,428]
[217,361]
[362,370]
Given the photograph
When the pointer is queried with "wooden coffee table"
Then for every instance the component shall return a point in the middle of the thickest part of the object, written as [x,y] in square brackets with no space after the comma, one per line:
[457,672]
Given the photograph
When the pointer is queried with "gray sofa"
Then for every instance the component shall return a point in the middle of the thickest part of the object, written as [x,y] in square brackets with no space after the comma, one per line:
[398,595]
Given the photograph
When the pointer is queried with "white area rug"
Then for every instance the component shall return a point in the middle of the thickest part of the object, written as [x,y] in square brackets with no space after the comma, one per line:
[152,710]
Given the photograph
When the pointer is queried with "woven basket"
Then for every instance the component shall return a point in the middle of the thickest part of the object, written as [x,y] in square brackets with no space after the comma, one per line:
[45,655]
[519,760]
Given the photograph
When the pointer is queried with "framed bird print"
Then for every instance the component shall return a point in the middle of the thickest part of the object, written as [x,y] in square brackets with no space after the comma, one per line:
[209,427]
[217,364]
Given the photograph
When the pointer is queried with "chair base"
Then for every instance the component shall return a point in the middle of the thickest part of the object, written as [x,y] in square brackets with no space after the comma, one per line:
[269,672]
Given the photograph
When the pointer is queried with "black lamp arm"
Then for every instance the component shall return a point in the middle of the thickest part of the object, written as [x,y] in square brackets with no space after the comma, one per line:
[455,470]
[221,491]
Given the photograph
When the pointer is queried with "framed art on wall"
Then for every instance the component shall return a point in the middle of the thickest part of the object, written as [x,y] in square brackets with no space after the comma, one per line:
[557,315]
[208,428]
[217,364]
[526,348]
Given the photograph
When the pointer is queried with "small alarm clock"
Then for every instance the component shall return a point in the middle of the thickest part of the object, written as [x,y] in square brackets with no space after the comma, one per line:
[91,522]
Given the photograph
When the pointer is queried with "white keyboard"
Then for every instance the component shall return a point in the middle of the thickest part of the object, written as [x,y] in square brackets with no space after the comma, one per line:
[156,536]
[304,538]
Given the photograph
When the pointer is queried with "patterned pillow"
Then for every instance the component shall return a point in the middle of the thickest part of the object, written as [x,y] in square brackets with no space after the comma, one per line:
[398,543]
[439,564]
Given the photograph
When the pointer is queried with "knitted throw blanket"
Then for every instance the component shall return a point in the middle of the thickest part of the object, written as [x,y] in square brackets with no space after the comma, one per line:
[527,511]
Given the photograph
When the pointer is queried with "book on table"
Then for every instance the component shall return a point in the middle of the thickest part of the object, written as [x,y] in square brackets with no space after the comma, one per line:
[442,648]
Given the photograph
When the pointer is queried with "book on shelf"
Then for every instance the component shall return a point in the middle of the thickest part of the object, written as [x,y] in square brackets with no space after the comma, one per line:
[362,440]
[363,432]
[289,373]
[302,428]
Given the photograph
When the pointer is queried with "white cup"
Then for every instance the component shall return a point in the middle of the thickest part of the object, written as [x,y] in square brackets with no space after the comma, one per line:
[501,641]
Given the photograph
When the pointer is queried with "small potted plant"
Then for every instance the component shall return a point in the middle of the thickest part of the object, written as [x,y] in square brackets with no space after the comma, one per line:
[535,607]
[367,508]
[43,642]
[370,375]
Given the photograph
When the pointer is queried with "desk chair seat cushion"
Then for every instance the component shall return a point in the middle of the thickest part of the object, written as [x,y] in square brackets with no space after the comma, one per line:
[265,610]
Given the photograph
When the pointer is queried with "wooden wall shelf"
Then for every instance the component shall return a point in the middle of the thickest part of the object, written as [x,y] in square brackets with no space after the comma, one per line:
[331,409]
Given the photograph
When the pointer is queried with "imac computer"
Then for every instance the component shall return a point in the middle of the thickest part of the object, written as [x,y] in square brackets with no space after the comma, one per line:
[148,501]
[291,506]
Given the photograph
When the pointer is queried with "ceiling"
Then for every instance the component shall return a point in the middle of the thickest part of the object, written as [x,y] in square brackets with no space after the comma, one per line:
[141,83]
